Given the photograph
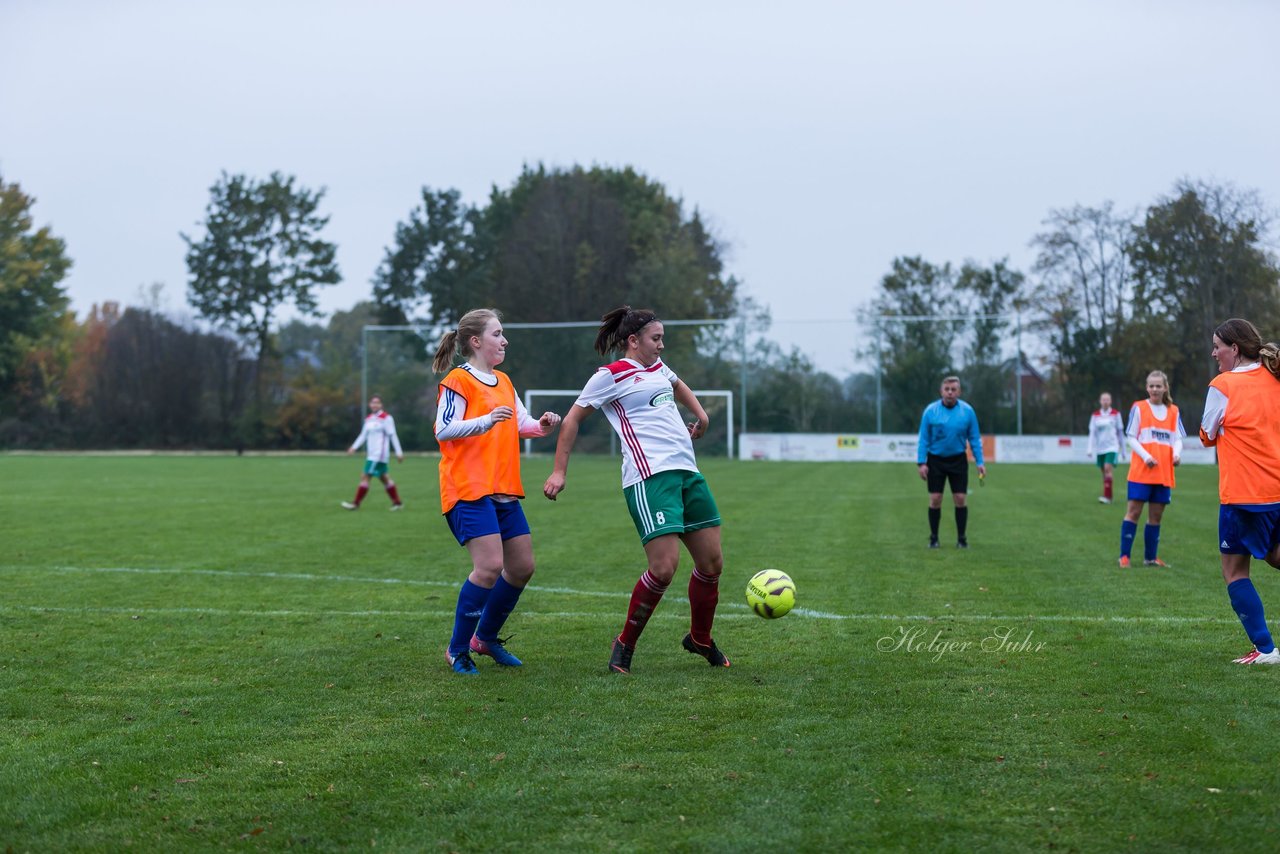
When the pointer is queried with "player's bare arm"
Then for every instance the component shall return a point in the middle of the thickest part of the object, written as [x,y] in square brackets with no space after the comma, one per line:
[554,484]
[686,398]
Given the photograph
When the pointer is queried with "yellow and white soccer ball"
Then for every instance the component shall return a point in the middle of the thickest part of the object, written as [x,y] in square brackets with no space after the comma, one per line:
[771,593]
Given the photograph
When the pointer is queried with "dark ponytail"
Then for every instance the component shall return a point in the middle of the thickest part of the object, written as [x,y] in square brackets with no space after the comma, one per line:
[619,325]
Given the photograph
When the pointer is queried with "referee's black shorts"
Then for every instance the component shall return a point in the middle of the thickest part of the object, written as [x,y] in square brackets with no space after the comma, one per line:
[952,469]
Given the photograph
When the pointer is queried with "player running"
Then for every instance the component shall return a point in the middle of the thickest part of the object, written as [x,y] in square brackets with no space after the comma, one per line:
[479,422]
[379,433]
[1242,418]
[669,499]
[1155,436]
[1106,438]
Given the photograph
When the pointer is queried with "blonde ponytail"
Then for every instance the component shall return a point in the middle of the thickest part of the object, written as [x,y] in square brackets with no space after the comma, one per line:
[458,341]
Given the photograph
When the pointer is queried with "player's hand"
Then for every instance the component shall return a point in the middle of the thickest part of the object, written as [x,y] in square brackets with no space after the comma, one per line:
[399,458]
[1177,460]
[350,451]
[698,428]
[549,421]
[554,486]
[924,471]
[982,471]
[1151,463]
[501,413]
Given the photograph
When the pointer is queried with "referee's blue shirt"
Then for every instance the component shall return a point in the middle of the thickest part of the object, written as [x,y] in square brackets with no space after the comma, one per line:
[943,431]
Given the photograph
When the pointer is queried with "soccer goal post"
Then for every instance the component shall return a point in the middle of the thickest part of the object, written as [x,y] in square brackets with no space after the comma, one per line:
[704,397]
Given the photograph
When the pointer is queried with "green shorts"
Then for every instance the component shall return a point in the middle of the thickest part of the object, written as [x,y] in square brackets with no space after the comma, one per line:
[671,502]
[1103,459]
[374,469]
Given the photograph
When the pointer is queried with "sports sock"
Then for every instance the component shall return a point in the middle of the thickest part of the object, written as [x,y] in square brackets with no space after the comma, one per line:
[1107,481]
[1150,541]
[502,601]
[1128,530]
[1248,607]
[393,492]
[361,492]
[962,522]
[471,599]
[704,594]
[935,516]
[644,598]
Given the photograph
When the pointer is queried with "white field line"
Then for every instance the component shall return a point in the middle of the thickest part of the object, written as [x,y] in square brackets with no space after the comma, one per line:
[1157,619]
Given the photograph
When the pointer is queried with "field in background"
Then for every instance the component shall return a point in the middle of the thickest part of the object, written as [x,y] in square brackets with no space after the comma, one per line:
[208,652]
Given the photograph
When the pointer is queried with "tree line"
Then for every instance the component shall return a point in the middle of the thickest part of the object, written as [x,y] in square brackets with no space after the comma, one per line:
[1110,297]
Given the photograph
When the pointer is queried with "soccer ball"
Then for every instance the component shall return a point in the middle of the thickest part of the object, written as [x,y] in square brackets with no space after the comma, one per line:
[771,593]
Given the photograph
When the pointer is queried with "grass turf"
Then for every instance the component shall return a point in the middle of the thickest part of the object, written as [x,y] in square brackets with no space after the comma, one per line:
[206,652]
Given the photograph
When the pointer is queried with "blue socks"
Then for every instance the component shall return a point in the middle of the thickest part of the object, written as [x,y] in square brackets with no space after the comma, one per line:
[502,601]
[471,601]
[1248,607]
[1128,530]
[1150,541]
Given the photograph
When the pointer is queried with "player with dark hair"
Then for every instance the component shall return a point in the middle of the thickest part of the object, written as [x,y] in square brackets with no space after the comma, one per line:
[1155,436]
[479,422]
[379,434]
[668,497]
[945,426]
[1242,418]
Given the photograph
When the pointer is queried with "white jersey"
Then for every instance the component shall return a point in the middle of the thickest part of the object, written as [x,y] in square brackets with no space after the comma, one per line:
[640,404]
[380,434]
[1106,432]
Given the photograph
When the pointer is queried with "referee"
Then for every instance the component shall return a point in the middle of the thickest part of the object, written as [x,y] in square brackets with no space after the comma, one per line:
[945,426]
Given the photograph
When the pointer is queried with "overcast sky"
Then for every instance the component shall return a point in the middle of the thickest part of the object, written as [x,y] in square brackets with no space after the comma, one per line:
[819,140]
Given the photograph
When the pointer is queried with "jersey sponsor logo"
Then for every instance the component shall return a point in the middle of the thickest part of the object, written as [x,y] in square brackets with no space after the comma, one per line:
[662,398]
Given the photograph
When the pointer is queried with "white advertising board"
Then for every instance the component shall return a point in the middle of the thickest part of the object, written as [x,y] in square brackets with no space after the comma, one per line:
[901,447]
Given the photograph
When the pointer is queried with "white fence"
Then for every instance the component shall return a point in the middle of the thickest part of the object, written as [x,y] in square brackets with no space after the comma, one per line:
[901,447]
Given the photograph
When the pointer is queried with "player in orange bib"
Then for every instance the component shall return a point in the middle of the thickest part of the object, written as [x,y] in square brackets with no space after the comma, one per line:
[479,422]
[1242,419]
[1155,436]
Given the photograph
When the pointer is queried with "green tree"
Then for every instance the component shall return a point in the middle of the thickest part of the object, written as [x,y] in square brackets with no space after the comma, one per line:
[915,353]
[261,252]
[1082,297]
[557,245]
[990,295]
[1199,257]
[929,321]
[33,264]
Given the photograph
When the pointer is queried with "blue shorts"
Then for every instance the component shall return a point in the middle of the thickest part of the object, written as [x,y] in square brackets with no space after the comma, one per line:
[1152,493]
[484,516]
[1242,530]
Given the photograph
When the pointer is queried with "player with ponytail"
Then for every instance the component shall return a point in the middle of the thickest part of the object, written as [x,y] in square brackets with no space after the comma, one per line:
[667,496]
[479,423]
[1155,435]
[1242,419]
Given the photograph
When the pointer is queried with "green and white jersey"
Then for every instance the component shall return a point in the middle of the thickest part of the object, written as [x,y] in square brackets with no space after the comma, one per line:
[640,404]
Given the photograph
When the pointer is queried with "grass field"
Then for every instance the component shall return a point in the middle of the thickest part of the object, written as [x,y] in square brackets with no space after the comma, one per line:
[206,652]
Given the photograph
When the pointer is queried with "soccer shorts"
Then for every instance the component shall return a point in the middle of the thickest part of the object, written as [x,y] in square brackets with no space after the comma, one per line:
[1245,530]
[1104,459]
[671,502]
[374,469]
[483,517]
[953,470]
[1153,493]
